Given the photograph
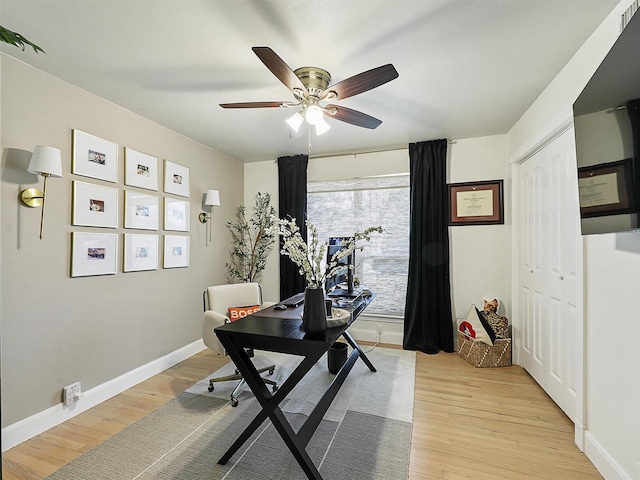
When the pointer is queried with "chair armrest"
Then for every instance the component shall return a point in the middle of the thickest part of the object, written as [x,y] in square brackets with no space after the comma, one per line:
[210,321]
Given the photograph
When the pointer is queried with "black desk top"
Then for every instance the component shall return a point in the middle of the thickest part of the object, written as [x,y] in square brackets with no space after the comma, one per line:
[273,329]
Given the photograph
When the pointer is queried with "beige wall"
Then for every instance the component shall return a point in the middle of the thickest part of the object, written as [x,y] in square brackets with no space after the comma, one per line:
[57,329]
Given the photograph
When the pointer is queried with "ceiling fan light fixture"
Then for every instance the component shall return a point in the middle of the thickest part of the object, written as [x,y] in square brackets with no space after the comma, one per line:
[314,115]
[322,126]
[295,121]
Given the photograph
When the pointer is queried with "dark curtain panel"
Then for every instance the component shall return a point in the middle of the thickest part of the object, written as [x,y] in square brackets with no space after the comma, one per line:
[633,110]
[292,192]
[428,325]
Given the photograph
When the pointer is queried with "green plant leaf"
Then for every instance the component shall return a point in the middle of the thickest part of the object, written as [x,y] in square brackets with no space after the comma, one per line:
[17,40]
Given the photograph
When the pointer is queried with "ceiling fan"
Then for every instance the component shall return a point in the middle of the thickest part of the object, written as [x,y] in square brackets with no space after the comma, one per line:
[310,87]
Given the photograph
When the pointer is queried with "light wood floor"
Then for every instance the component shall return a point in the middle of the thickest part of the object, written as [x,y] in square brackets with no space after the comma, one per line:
[469,423]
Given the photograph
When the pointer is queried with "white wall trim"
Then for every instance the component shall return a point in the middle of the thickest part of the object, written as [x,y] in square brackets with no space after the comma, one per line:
[525,153]
[603,461]
[23,430]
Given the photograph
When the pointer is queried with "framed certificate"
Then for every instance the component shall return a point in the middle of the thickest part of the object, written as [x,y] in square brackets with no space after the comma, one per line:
[476,203]
[606,189]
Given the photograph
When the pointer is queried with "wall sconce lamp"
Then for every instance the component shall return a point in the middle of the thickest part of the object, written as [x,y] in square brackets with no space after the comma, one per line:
[45,161]
[211,200]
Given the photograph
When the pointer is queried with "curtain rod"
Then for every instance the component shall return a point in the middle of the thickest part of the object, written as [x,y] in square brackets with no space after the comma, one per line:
[390,149]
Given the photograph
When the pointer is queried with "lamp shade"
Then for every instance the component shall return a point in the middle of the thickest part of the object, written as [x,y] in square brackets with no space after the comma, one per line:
[314,115]
[46,161]
[213,198]
[322,126]
[295,121]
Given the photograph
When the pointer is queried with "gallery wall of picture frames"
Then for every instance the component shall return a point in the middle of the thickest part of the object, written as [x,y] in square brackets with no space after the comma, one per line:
[98,206]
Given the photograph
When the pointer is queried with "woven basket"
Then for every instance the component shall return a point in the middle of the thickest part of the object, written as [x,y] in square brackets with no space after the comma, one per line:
[479,354]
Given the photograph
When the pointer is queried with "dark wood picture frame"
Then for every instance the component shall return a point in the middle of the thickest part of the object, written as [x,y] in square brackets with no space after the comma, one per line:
[476,203]
[613,175]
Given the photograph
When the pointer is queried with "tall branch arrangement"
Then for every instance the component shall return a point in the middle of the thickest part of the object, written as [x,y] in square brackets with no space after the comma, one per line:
[252,240]
[309,257]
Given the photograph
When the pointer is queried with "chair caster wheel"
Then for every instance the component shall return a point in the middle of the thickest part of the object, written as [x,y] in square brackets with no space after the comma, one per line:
[234,402]
[271,372]
[210,387]
[237,372]
[274,389]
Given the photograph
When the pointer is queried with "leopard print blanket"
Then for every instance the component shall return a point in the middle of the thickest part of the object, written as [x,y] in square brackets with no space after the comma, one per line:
[499,324]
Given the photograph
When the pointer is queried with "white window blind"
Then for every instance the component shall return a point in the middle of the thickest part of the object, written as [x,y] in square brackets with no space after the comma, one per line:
[339,208]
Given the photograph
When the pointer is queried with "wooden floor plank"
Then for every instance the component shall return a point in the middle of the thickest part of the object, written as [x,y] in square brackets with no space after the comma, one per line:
[469,423]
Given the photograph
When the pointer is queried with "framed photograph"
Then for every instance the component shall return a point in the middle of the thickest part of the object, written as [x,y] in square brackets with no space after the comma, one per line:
[141,210]
[94,205]
[93,254]
[94,157]
[140,252]
[140,169]
[176,215]
[606,189]
[476,203]
[176,251]
[176,179]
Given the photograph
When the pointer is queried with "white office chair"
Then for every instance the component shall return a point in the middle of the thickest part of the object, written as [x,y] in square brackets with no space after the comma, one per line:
[217,301]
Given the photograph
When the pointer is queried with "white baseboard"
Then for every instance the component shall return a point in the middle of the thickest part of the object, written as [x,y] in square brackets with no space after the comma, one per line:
[23,430]
[603,461]
[579,434]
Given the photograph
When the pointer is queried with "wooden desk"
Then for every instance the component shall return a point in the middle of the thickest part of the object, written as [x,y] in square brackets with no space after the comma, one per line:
[280,331]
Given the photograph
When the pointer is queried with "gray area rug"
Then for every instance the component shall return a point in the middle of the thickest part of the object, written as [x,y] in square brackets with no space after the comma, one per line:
[366,434]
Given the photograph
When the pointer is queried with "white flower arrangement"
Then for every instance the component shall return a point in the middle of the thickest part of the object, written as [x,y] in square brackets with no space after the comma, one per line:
[309,257]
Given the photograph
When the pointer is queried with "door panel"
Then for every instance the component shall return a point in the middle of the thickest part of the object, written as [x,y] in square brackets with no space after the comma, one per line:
[549,259]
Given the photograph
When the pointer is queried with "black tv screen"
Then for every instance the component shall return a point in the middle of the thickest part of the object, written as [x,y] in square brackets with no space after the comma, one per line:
[607,132]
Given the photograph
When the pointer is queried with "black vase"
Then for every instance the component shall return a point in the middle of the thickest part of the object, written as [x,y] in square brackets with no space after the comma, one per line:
[314,315]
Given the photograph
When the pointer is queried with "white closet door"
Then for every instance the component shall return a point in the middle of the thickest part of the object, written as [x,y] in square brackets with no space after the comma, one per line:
[550,259]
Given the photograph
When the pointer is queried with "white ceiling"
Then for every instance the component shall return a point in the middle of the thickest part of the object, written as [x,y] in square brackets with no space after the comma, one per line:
[467,68]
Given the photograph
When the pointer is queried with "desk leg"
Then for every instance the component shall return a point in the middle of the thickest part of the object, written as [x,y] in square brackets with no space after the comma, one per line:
[353,343]
[269,403]
[270,407]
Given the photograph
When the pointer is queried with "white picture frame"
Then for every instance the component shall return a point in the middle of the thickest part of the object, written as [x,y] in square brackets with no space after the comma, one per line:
[94,205]
[140,169]
[94,157]
[176,251]
[176,215]
[93,254]
[141,210]
[176,179]
[140,252]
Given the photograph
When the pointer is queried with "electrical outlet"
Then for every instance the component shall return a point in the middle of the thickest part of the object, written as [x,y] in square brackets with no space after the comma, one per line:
[71,393]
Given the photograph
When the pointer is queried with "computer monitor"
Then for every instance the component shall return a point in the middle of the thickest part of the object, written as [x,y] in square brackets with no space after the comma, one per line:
[335,244]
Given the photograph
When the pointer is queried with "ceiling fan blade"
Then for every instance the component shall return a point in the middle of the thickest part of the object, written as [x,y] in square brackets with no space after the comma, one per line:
[280,69]
[255,104]
[353,117]
[362,82]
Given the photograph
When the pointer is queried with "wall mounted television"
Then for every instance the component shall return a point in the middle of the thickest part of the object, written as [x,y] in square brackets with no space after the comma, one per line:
[607,132]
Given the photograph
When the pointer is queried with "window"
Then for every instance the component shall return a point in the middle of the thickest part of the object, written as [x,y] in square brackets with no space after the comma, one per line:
[339,208]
